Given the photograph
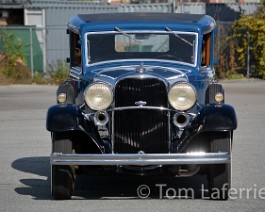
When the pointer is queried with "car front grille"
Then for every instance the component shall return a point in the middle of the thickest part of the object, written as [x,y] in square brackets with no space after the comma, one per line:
[141,129]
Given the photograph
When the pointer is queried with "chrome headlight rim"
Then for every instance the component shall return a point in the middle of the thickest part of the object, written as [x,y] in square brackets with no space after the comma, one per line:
[88,103]
[188,106]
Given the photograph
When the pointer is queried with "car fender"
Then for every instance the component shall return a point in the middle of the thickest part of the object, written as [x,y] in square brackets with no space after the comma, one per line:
[63,117]
[215,118]
[68,117]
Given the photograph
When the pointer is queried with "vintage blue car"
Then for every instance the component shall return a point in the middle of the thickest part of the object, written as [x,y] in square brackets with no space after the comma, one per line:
[141,98]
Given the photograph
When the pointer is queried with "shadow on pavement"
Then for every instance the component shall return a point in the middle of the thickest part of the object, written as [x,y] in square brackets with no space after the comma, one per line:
[38,186]
[131,187]
[107,186]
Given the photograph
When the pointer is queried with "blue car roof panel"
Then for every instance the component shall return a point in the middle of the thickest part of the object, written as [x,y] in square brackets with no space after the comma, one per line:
[141,21]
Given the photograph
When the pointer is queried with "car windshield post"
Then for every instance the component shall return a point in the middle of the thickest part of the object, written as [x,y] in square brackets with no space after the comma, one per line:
[88,51]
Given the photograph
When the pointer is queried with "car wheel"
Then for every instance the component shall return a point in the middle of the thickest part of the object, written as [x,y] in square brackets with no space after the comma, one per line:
[62,176]
[219,176]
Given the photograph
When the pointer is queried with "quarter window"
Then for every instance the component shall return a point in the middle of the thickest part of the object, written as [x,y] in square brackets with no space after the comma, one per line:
[76,50]
[206,50]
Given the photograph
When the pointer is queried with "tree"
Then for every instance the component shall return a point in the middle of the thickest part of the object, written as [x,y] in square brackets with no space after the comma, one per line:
[14,65]
[225,48]
[249,30]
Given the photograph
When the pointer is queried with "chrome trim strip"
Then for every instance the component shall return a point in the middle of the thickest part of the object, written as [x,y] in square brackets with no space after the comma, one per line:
[112,133]
[140,60]
[140,108]
[88,115]
[133,67]
[169,129]
[143,31]
[139,159]
[75,72]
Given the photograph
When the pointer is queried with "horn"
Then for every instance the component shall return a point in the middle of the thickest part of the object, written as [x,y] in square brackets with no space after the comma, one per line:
[181,120]
[101,118]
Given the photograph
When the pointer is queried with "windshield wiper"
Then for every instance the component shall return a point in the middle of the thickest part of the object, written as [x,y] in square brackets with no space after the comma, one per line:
[176,35]
[125,34]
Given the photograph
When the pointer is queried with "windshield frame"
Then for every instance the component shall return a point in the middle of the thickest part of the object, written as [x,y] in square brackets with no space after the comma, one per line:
[88,64]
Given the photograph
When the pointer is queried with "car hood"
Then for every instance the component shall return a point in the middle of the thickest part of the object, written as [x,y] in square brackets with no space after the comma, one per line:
[114,74]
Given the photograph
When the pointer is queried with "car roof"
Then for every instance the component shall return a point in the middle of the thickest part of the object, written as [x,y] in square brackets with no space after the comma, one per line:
[141,21]
[114,17]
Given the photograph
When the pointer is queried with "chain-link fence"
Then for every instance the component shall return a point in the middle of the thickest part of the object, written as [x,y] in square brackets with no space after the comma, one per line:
[44,48]
[27,40]
[47,44]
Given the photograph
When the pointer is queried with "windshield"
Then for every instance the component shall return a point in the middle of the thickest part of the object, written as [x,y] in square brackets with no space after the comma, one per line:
[174,46]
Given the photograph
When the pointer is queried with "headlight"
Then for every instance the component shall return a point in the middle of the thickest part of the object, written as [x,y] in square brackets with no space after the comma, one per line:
[61,98]
[182,96]
[98,96]
[219,97]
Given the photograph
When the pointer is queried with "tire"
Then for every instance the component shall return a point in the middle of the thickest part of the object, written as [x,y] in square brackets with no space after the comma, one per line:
[219,176]
[62,176]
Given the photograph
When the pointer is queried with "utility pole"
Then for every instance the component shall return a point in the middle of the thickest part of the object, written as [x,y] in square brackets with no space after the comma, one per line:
[31,53]
[248,54]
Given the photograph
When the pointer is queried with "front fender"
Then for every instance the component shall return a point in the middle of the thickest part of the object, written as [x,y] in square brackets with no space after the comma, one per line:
[62,118]
[215,118]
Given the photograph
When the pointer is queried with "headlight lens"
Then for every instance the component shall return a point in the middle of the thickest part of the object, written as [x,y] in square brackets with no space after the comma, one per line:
[98,96]
[61,98]
[182,96]
[219,97]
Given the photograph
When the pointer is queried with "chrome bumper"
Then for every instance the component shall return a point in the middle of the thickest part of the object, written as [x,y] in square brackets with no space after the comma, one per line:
[140,159]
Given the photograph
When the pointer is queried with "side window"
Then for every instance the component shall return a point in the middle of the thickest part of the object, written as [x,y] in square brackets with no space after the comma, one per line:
[206,50]
[76,50]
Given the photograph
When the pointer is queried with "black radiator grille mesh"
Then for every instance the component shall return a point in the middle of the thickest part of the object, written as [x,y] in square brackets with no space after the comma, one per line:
[141,129]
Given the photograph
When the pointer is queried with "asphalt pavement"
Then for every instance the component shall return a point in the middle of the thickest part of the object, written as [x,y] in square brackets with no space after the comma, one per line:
[25,147]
